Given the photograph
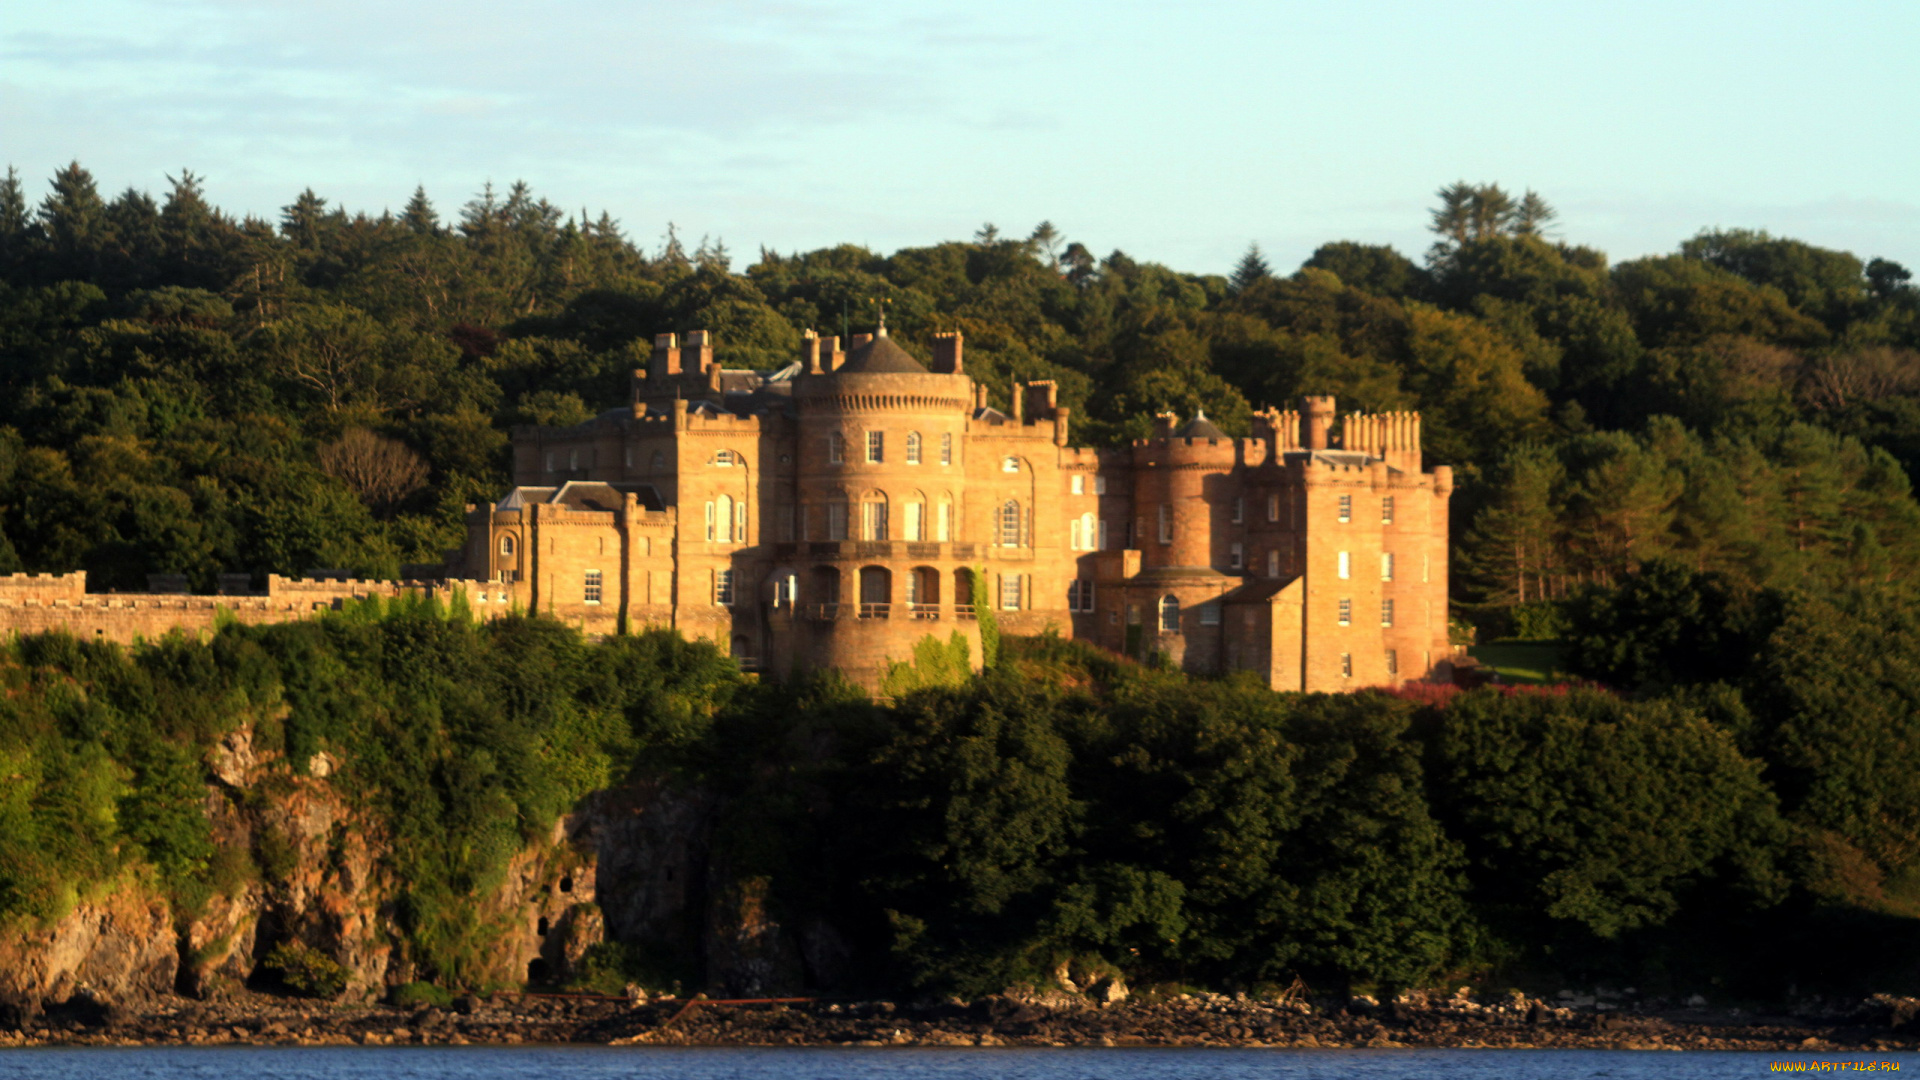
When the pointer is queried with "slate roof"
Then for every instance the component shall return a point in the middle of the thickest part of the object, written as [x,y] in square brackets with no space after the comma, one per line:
[604,496]
[881,357]
[1200,428]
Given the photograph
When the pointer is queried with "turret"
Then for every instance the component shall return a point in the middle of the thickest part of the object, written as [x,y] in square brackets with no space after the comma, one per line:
[1318,412]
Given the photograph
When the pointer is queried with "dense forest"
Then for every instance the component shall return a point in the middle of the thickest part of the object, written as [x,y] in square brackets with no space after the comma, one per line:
[1740,817]
[182,391]
[1689,470]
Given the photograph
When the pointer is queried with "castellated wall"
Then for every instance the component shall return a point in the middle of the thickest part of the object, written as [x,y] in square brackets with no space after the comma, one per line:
[36,603]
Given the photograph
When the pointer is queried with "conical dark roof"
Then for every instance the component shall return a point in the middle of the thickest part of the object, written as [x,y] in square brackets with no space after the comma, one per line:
[1200,428]
[881,357]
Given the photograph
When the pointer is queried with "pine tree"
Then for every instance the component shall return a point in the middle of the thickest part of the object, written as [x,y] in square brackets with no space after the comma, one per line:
[1530,218]
[14,223]
[1510,554]
[73,219]
[419,216]
[1252,268]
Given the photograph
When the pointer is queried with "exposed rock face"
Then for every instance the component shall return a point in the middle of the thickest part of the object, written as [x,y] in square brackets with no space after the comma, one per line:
[322,882]
[118,948]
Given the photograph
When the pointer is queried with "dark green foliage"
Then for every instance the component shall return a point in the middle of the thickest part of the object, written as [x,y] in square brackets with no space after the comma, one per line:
[1581,812]
[168,374]
[1667,625]
[307,970]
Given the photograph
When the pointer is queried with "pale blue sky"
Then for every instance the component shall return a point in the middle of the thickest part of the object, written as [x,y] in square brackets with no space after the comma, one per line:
[1178,133]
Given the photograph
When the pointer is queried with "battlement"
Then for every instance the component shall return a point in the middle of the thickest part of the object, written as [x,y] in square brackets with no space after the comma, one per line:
[1394,437]
[1281,427]
[130,617]
[43,586]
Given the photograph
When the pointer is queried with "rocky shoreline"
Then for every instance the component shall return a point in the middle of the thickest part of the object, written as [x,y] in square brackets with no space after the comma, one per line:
[1877,1025]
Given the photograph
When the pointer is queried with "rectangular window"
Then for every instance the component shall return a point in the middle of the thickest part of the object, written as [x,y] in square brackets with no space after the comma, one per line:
[786,523]
[1386,566]
[913,449]
[836,449]
[1079,595]
[1235,557]
[1079,484]
[1073,534]
[1210,614]
[1103,534]
[723,588]
[1273,508]
[915,511]
[1386,613]
[877,447]
[1346,613]
[1239,511]
[836,521]
[1386,510]
[1099,485]
[944,523]
[1166,524]
[590,591]
[1346,565]
[1346,665]
[946,449]
[1393,662]
[1010,592]
[1273,563]
[709,521]
[1346,508]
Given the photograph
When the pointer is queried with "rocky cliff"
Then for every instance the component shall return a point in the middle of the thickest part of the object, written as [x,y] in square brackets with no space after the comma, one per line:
[629,864]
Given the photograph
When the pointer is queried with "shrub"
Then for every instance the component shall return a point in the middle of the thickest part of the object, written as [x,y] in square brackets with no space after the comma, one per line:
[307,971]
[414,994]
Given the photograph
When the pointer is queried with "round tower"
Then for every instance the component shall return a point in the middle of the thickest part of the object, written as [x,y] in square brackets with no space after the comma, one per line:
[881,481]
[1181,478]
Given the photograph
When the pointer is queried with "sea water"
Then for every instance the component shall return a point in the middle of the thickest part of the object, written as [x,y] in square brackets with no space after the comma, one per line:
[664,1063]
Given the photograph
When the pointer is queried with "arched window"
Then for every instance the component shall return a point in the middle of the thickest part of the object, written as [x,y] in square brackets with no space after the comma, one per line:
[916,518]
[1169,614]
[913,448]
[506,545]
[876,588]
[943,520]
[873,516]
[1010,524]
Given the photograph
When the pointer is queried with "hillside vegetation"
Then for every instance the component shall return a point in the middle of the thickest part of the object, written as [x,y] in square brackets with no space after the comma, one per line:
[181,391]
[1690,472]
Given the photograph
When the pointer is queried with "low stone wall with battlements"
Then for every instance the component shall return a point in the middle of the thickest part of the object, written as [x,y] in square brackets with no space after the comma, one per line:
[37,603]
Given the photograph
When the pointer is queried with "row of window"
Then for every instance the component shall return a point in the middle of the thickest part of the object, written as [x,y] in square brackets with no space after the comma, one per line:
[1345,617]
[1346,663]
[877,448]
[1386,565]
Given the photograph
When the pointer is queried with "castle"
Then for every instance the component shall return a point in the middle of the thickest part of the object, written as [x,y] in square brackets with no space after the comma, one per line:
[833,513]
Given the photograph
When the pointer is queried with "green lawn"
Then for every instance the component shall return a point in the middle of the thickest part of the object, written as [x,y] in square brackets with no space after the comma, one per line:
[1520,661]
